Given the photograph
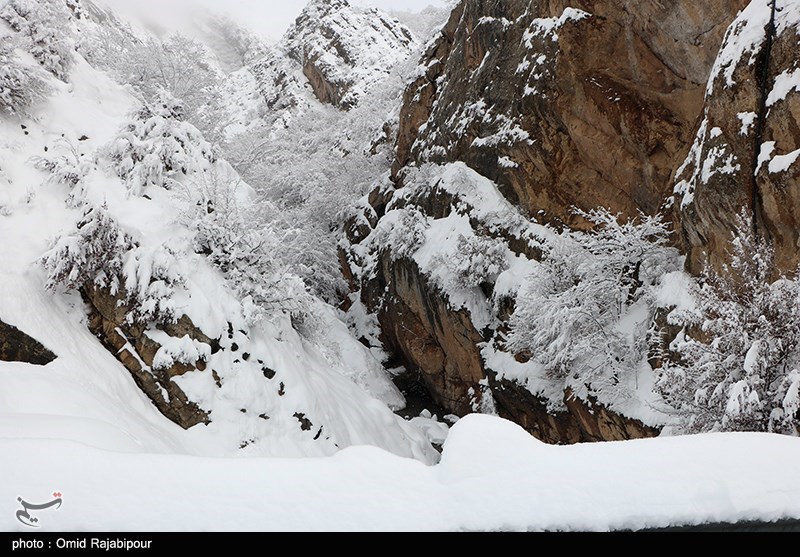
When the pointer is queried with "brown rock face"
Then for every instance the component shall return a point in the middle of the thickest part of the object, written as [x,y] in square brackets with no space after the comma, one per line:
[16,346]
[136,351]
[339,48]
[561,104]
[586,108]
[749,111]
[419,325]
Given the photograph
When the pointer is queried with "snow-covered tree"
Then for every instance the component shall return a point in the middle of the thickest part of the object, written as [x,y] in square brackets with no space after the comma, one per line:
[156,146]
[20,87]
[48,38]
[93,254]
[478,261]
[233,229]
[570,312]
[99,254]
[178,65]
[403,230]
[151,276]
[738,368]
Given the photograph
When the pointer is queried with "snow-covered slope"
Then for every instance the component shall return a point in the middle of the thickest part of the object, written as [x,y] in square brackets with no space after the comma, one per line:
[263,387]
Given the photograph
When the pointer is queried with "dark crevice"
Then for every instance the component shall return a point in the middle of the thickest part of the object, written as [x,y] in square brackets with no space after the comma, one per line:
[762,78]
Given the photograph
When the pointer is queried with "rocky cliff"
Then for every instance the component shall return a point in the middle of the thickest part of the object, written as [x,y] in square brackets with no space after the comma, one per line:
[560,105]
[580,103]
[748,141]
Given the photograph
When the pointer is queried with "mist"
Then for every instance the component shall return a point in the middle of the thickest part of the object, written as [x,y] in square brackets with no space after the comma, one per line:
[270,18]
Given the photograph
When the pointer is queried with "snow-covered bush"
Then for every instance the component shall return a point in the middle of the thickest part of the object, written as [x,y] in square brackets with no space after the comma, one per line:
[20,87]
[47,37]
[99,253]
[151,276]
[403,230]
[478,260]
[66,166]
[92,254]
[569,315]
[738,368]
[156,145]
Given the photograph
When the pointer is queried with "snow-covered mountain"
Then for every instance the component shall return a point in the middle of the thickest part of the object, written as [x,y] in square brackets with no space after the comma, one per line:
[132,227]
[579,217]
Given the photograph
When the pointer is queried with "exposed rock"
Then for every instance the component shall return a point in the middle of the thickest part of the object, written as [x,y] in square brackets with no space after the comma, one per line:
[565,107]
[340,49]
[16,346]
[418,324]
[597,423]
[136,351]
[752,108]
[531,412]
[561,104]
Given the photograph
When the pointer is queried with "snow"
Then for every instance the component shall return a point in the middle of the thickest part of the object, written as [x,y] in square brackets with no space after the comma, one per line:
[548,25]
[530,375]
[785,83]
[777,163]
[765,154]
[743,37]
[434,430]
[685,188]
[782,163]
[493,477]
[752,357]
[747,119]
[675,292]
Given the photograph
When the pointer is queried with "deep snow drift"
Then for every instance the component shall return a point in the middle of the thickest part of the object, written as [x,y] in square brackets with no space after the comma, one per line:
[493,476]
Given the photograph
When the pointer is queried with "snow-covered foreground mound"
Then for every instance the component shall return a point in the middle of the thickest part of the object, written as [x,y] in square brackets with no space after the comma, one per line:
[493,476]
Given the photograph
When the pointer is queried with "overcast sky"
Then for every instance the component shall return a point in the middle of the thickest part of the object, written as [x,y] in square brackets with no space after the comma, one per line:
[268,17]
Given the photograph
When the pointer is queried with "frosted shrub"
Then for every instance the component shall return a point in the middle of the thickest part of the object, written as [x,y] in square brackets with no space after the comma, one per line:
[98,253]
[403,231]
[156,146]
[478,260]
[151,277]
[92,254]
[739,364]
[569,309]
[47,37]
[20,87]
[66,166]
